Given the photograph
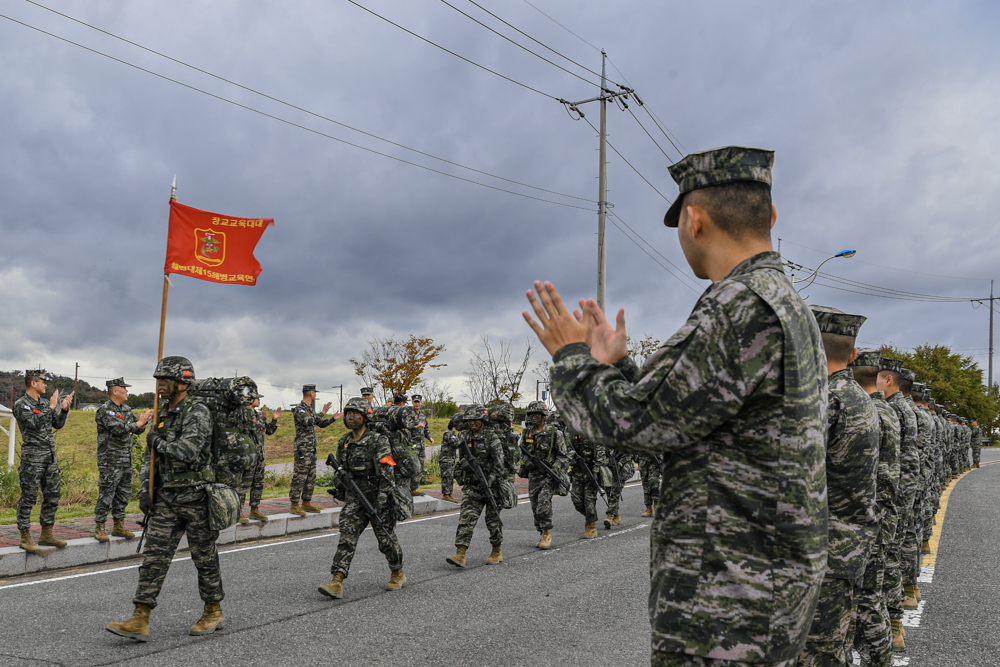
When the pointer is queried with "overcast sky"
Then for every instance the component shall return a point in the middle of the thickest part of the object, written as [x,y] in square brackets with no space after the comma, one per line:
[884,118]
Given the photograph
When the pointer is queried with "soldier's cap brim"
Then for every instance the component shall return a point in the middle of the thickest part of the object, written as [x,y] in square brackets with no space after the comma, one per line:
[717,166]
[834,321]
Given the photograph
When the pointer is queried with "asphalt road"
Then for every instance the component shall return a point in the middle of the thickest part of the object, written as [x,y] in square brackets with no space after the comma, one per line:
[582,603]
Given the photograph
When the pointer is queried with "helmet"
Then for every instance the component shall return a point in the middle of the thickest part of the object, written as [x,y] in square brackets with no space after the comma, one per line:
[247,389]
[358,404]
[456,420]
[175,368]
[476,412]
[501,414]
[537,406]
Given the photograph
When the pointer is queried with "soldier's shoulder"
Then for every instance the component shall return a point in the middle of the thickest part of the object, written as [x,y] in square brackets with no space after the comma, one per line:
[344,438]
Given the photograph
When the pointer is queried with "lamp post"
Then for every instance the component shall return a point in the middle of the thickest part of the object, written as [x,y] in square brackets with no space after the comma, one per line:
[846,253]
[341,387]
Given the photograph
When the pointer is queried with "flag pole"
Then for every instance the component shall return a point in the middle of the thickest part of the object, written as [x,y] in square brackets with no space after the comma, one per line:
[159,355]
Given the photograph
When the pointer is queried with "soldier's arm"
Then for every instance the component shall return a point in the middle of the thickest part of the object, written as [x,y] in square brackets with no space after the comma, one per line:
[59,416]
[323,423]
[195,432]
[303,418]
[496,453]
[30,419]
[270,427]
[561,454]
[119,428]
[144,472]
[383,452]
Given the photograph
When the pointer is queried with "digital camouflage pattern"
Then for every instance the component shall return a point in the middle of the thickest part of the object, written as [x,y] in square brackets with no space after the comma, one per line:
[583,492]
[910,481]
[488,450]
[182,438]
[255,484]
[446,459]
[420,432]
[304,469]
[976,439]
[715,167]
[367,459]
[832,632]
[649,471]
[622,464]
[38,469]
[735,401]
[116,424]
[549,445]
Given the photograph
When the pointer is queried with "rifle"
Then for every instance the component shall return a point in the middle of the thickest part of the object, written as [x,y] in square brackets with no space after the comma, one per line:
[142,535]
[539,464]
[588,473]
[472,462]
[352,486]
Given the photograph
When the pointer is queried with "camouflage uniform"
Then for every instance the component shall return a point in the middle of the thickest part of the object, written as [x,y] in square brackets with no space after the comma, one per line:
[446,459]
[622,468]
[183,442]
[304,470]
[649,470]
[368,461]
[38,466]
[550,446]
[735,401]
[584,493]
[977,443]
[911,482]
[418,434]
[488,450]
[116,424]
[852,460]
[254,482]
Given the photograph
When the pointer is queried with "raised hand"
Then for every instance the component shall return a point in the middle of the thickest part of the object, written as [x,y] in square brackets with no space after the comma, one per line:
[607,344]
[53,399]
[556,326]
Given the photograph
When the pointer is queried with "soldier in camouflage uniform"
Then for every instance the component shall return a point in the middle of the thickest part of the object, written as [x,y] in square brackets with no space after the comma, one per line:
[365,455]
[977,442]
[420,433]
[502,423]
[852,459]
[116,424]
[36,417]
[446,457]
[177,501]
[622,467]
[261,428]
[966,442]
[587,455]
[547,444]
[926,434]
[873,639]
[304,471]
[649,471]
[482,443]
[735,401]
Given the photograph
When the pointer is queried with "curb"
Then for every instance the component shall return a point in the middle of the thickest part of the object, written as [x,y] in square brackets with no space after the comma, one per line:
[14,561]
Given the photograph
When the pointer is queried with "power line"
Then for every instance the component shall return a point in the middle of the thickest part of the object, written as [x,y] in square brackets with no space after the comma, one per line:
[563,27]
[471,62]
[651,136]
[298,108]
[618,227]
[882,266]
[680,275]
[629,163]
[291,123]
[674,141]
[875,288]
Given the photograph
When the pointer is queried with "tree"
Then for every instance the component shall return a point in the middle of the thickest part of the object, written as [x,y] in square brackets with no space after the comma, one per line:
[492,379]
[396,366]
[640,350]
[437,401]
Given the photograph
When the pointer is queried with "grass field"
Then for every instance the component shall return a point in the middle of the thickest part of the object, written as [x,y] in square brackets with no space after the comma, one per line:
[76,452]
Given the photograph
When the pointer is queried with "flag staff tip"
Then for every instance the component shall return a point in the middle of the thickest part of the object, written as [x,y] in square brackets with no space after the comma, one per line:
[173,189]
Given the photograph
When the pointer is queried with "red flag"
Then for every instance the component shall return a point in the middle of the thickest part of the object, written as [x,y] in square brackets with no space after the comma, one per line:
[214,247]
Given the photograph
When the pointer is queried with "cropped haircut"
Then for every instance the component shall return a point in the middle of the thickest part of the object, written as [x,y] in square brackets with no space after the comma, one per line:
[838,348]
[905,385]
[742,209]
[865,375]
[893,374]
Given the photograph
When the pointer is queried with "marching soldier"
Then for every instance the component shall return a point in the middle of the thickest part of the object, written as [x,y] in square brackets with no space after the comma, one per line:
[649,471]
[446,457]
[977,442]
[364,454]
[182,440]
[481,443]
[588,459]
[421,432]
[116,424]
[736,403]
[304,471]
[36,417]
[255,483]
[622,468]
[546,443]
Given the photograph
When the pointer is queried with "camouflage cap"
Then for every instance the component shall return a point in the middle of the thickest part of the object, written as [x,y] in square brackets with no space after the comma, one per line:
[887,364]
[306,388]
[867,356]
[927,394]
[961,420]
[918,387]
[834,321]
[907,374]
[416,397]
[399,398]
[117,382]
[175,368]
[42,375]
[367,390]
[932,402]
[537,406]
[476,412]
[717,166]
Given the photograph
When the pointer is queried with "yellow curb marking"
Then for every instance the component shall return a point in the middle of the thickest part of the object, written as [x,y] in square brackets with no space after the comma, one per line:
[931,558]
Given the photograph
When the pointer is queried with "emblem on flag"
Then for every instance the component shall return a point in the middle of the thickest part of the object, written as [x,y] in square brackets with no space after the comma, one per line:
[209,246]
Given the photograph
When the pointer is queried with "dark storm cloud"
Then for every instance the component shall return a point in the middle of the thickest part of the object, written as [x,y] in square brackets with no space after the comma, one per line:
[883,120]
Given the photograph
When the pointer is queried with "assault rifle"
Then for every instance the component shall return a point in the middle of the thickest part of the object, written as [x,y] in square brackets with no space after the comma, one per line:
[145,525]
[352,486]
[471,461]
[589,474]
[539,464]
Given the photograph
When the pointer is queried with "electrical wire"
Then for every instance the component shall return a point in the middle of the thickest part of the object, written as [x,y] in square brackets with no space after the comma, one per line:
[563,27]
[291,123]
[460,57]
[651,136]
[877,290]
[680,275]
[662,266]
[629,163]
[303,110]
[882,266]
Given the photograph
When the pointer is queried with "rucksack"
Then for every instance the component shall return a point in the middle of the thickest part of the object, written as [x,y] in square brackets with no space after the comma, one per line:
[234,447]
[396,421]
[500,417]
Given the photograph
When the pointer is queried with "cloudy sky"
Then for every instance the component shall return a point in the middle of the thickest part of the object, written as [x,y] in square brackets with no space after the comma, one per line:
[884,118]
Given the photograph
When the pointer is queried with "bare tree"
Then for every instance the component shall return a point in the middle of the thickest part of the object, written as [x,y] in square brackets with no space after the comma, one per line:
[543,372]
[493,377]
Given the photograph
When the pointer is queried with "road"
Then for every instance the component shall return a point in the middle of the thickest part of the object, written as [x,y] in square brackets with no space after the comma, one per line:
[583,603]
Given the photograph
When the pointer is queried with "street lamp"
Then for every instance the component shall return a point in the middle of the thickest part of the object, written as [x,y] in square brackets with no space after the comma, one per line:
[846,253]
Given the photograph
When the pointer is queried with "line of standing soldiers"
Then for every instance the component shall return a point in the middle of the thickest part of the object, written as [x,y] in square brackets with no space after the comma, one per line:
[890,452]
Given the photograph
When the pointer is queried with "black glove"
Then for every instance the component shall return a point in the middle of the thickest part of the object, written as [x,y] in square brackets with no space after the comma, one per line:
[145,504]
[153,441]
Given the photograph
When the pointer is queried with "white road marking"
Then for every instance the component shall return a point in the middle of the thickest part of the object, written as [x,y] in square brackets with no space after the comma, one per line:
[911,618]
[926,575]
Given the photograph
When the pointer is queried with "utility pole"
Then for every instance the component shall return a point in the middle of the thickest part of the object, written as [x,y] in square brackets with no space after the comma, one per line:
[341,387]
[602,177]
[76,378]
[991,335]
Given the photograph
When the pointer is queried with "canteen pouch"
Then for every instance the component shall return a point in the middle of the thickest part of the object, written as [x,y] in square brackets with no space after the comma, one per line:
[402,502]
[223,506]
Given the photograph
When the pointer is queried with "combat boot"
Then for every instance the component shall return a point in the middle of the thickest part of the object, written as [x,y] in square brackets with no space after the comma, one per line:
[27,541]
[925,548]
[296,510]
[256,515]
[458,558]
[210,621]
[976,464]
[120,530]
[910,602]
[334,589]
[546,541]
[307,506]
[590,529]
[649,511]
[243,518]
[916,592]
[898,645]
[396,581]
[100,534]
[495,557]
[448,497]
[48,539]
[136,627]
